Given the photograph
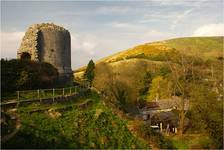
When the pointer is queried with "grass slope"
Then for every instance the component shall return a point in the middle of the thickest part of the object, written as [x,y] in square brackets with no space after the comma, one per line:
[91,126]
[204,46]
[207,47]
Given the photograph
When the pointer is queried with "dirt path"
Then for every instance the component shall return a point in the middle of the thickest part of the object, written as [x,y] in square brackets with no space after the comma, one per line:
[17,127]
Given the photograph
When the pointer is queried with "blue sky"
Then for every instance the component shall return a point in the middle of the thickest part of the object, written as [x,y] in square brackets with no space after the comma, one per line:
[102,28]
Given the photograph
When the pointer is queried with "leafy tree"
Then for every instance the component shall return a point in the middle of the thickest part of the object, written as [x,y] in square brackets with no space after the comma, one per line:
[147,80]
[206,113]
[89,73]
[160,88]
[118,89]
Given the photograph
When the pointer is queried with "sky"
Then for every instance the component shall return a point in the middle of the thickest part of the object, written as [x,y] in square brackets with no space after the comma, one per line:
[101,28]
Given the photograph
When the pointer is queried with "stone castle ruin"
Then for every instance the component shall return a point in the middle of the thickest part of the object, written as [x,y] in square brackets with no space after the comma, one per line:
[49,43]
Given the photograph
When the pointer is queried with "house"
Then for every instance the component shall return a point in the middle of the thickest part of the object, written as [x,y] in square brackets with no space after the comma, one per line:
[163,113]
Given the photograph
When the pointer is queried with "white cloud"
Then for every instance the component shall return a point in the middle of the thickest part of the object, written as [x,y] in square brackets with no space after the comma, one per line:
[83,42]
[210,30]
[178,2]
[154,35]
[179,17]
[158,16]
[113,9]
[123,25]
[10,42]
[89,46]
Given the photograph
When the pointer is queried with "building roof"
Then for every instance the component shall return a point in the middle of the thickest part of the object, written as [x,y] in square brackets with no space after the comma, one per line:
[161,104]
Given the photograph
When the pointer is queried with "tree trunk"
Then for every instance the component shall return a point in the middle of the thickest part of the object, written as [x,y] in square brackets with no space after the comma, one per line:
[182,117]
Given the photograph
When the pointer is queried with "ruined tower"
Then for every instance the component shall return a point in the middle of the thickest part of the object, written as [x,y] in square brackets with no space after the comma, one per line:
[49,43]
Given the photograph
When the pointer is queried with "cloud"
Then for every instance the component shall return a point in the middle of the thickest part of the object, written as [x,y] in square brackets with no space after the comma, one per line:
[157,34]
[158,16]
[182,10]
[210,30]
[177,2]
[123,25]
[179,17]
[10,42]
[83,42]
[114,9]
[83,47]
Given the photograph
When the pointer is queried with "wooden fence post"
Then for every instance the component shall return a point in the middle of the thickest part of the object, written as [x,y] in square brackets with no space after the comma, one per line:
[70,91]
[75,89]
[38,94]
[18,98]
[53,94]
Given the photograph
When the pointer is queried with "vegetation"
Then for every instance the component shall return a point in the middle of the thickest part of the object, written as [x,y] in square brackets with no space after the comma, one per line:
[207,113]
[22,75]
[89,73]
[159,89]
[181,68]
[207,47]
[178,68]
[7,124]
[94,126]
[157,138]
[192,141]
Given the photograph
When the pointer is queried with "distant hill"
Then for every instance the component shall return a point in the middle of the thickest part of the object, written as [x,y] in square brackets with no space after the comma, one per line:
[207,47]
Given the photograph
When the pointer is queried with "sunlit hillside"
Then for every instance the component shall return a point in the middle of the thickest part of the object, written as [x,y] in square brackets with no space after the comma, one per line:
[203,46]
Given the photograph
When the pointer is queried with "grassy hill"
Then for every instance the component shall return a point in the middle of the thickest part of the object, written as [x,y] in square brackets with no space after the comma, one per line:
[132,64]
[207,47]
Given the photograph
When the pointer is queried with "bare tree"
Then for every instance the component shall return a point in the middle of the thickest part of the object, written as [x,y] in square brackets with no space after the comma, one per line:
[182,71]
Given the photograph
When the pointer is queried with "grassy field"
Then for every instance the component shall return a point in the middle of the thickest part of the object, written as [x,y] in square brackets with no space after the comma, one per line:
[191,141]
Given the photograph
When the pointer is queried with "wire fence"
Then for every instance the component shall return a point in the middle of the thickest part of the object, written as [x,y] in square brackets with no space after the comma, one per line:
[48,93]
[39,94]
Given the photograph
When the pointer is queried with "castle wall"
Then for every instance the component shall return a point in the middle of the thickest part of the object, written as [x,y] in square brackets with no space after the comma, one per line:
[49,43]
[29,43]
[54,48]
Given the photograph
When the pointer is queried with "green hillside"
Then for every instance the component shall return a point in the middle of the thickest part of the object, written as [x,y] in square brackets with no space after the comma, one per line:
[131,67]
[187,68]
[84,125]
[208,47]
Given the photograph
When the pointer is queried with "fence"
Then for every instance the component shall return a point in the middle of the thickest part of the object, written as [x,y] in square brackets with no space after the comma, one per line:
[47,93]
[41,94]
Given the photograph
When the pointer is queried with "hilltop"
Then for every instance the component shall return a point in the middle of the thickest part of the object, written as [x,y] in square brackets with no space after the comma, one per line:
[205,47]
[208,47]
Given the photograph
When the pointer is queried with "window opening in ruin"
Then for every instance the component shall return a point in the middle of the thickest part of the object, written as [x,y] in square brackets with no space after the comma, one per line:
[25,56]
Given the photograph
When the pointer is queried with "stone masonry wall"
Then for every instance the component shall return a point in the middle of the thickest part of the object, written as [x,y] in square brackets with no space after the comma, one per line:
[50,43]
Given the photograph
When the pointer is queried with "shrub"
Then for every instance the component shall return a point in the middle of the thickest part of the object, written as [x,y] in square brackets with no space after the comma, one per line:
[22,75]
[89,73]
[155,137]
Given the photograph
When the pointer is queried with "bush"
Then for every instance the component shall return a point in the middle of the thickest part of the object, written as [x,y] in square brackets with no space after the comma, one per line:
[155,137]
[89,73]
[22,75]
